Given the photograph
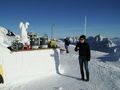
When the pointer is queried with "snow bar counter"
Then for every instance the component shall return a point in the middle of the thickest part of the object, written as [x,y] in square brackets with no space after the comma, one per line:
[27,64]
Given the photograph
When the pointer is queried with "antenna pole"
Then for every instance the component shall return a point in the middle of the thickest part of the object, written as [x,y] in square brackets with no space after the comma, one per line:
[52,31]
[85,26]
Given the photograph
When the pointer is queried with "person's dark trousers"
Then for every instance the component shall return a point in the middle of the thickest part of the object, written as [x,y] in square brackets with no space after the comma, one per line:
[66,47]
[84,64]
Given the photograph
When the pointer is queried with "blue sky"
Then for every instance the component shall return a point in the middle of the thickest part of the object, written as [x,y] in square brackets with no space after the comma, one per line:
[103,16]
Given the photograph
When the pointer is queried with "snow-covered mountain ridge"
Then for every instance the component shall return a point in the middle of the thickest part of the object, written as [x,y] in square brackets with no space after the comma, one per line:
[5,40]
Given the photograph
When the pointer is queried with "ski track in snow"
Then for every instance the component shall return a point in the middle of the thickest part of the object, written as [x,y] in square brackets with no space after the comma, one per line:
[102,76]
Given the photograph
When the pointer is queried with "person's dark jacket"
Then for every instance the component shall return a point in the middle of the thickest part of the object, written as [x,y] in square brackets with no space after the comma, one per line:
[84,50]
[67,42]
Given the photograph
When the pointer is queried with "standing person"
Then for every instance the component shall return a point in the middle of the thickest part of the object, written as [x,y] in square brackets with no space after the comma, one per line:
[67,42]
[84,56]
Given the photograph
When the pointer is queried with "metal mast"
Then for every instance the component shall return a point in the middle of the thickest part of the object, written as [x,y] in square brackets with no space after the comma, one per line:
[85,26]
[52,31]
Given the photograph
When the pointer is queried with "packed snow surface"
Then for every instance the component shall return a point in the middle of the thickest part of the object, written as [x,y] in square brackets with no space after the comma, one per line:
[103,75]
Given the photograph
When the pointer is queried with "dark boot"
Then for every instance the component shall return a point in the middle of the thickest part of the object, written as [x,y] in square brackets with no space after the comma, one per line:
[67,51]
[82,78]
[87,78]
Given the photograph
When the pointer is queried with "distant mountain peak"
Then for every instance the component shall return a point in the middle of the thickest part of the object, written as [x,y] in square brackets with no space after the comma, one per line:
[101,43]
[99,37]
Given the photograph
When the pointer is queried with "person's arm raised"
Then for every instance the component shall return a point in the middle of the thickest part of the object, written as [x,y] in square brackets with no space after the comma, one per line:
[77,47]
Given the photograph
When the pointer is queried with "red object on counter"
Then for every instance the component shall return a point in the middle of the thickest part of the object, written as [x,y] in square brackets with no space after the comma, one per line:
[26,47]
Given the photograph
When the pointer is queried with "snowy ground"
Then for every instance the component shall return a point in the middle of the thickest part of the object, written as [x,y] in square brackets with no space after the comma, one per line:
[103,76]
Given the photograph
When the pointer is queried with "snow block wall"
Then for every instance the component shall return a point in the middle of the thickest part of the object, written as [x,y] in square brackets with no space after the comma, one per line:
[27,64]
